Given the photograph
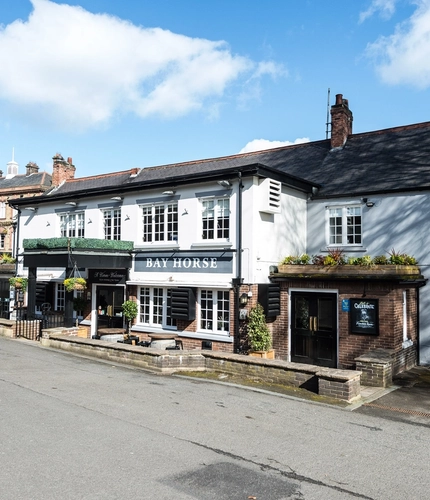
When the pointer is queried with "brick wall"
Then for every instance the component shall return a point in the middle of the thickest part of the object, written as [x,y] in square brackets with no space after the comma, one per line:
[351,346]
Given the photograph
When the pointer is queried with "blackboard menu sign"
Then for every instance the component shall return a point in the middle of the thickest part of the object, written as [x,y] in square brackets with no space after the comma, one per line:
[364,316]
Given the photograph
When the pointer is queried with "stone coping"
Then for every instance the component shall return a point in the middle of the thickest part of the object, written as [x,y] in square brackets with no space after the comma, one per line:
[339,384]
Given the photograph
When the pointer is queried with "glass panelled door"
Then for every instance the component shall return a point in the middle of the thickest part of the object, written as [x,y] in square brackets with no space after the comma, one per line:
[314,328]
[109,310]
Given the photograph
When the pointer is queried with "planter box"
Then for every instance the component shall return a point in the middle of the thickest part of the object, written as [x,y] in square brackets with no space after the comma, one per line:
[270,354]
[348,271]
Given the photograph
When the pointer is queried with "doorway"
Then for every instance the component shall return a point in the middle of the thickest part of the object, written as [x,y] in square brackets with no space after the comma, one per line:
[109,300]
[314,328]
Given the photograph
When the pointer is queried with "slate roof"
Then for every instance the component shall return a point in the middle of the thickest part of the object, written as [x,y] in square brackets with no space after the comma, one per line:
[96,182]
[390,160]
[20,182]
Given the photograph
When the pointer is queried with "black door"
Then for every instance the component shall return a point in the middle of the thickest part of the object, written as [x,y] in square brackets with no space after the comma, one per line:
[314,328]
[109,310]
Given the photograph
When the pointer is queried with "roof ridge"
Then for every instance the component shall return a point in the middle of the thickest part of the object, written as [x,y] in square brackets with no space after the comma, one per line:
[399,128]
[130,171]
[236,155]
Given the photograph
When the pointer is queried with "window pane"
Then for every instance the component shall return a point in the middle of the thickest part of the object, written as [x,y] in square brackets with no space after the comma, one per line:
[157,309]
[223,311]
[144,304]
[206,310]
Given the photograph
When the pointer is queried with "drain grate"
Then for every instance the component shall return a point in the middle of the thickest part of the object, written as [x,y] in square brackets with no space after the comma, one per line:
[400,410]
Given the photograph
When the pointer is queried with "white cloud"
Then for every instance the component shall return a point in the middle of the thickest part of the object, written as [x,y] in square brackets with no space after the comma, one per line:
[82,68]
[386,9]
[404,57]
[262,144]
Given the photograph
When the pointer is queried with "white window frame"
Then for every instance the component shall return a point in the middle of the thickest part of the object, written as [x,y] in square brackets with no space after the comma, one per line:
[214,311]
[215,212]
[154,309]
[344,213]
[159,222]
[60,297]
[72,225]
[112,231]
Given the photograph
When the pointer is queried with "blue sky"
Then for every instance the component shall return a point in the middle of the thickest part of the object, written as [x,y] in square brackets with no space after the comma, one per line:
[135,83]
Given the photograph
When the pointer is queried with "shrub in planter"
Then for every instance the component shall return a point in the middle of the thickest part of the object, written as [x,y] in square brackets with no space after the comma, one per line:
[259,336]
[130,310]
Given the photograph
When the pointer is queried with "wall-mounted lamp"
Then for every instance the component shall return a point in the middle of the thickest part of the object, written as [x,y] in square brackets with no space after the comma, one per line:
[71,203]
[243,300]
[127,217]
[169,192]
[88,295]
[224,183]
[89,221]
[185,212]
[48,223]
[32,209]
[368,203]
[117,198]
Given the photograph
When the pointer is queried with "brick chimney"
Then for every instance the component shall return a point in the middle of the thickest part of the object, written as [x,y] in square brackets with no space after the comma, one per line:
[62,170]
[341,122]
[31,168]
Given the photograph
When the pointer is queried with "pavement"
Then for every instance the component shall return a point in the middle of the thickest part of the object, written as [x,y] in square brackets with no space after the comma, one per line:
[408,399]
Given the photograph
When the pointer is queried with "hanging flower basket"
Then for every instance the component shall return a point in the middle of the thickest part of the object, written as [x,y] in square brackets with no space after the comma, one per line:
[71,284]
[18,283]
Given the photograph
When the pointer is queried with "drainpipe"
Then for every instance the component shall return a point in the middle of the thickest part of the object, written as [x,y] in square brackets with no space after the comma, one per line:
[238,280]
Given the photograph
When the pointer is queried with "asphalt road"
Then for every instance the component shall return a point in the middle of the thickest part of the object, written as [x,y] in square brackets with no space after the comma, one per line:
[77,428]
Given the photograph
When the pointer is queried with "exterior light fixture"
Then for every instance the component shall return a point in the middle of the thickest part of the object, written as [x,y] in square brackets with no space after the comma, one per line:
[71,203]
[169,192]
[243,299]
[117,198]
[127,217]
[368,203]
[32,209]
[224,183]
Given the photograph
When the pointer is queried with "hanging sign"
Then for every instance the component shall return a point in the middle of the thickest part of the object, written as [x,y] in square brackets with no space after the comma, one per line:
[364,316]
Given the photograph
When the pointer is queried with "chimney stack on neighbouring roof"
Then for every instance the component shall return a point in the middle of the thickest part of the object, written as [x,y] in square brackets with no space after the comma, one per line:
[341,122]
[62,170]
[32,168]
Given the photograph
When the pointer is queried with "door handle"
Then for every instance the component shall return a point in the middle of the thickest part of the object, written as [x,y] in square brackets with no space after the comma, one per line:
[313,324]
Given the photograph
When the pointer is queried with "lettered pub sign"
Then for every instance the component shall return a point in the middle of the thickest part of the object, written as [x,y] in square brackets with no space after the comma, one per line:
[364,316]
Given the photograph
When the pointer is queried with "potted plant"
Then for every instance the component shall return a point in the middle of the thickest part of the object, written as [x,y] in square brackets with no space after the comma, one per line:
[129,310]
[259,337]
[71,284]
[18,283]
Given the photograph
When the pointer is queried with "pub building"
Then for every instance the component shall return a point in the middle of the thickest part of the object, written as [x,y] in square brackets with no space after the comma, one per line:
[197,244]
